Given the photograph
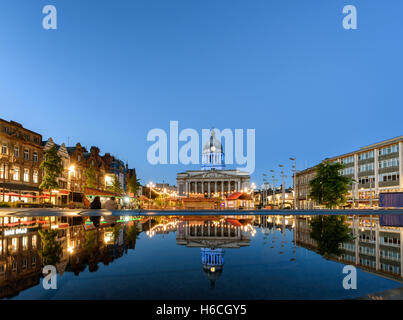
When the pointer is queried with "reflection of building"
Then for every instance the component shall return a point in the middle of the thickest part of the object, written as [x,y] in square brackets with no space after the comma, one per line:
[376,248]
[212,179]
[206,232]
[20,264]
[213,262]
[212,235]
[376,168]
[20,242]
[20,157]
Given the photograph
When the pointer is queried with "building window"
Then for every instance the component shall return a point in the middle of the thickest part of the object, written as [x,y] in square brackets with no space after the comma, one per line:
[16,152]
[78,158]
[16,174]
[35,156]
[24,263]
[33,261]
[26,175]
[14,244]
[35,176]
[25,242]
[3,172]
[34,240]
[4,149]
[26,154]
[36,140]
[14,268]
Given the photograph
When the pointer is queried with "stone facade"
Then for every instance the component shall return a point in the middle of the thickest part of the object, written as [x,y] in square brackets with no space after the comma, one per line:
[20,156]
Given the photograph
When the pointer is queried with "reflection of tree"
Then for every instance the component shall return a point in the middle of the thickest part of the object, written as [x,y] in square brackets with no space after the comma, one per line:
[51,248]
[131,236]
[329,232]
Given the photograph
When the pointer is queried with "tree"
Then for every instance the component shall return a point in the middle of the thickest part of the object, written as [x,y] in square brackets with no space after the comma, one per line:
[53,168]
[90,174]
[133,184]
[115,187]
[51,248]
[329,232]
[329,187]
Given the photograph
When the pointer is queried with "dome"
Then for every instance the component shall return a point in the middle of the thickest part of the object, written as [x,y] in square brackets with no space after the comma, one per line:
[213,145]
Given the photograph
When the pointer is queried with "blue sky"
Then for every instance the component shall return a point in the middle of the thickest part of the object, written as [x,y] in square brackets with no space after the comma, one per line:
[113,70]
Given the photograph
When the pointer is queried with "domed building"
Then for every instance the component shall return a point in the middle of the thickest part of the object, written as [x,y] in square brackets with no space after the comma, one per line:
[213,179]
[212,155]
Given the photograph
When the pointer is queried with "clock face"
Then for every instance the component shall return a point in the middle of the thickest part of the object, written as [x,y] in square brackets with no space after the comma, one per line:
[212,148]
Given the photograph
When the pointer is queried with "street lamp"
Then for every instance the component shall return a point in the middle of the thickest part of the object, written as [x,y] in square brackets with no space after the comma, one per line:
[274,186]
[294,170]
[283,186]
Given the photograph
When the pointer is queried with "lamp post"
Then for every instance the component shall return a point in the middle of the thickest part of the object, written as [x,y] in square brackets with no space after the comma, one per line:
[274,186]
[253,187]
[283,186]
[294,170]
[150,185]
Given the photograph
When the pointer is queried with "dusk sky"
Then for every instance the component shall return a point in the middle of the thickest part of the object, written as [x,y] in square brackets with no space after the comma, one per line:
[113,70]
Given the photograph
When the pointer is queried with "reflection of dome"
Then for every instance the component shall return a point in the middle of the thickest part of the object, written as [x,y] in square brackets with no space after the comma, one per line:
[213,261]
[212,273]
[212,155]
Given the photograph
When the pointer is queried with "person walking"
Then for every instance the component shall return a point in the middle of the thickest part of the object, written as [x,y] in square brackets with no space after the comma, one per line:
[111,204]
[96,204]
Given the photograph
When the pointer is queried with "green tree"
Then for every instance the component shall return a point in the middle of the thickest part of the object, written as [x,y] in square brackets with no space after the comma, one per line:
[90,244]
[329,232]
[90,173]
[51,249]
[115,187]
[329,187]
[53,168]
[133,184]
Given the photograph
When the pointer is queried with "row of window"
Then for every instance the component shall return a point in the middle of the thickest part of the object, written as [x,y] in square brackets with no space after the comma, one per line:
[366,167]
[24,265]
[389,150]
[26,136]
[366,155]
[389,163]
[15,172]
[4,150]
[13,245]
[392,176]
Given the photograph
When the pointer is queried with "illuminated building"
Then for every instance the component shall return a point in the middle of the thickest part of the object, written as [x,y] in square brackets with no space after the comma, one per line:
[213,179]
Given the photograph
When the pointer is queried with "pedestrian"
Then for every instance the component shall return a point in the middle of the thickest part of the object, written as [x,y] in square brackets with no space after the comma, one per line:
[111,204]
[96,204]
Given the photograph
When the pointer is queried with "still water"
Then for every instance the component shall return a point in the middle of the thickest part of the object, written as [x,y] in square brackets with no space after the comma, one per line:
[199,257]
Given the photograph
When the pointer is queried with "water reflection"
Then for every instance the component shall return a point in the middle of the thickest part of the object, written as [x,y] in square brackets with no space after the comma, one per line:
[75,244]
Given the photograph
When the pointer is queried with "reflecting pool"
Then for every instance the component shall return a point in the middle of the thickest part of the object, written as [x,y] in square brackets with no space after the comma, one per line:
[199,257]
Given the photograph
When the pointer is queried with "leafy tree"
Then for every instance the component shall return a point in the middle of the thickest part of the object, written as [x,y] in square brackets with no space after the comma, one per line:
[329,232]
[115,187]
[329,187]
[90,173]
[131,235]
[133,184]
[51,248]
[53,168]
